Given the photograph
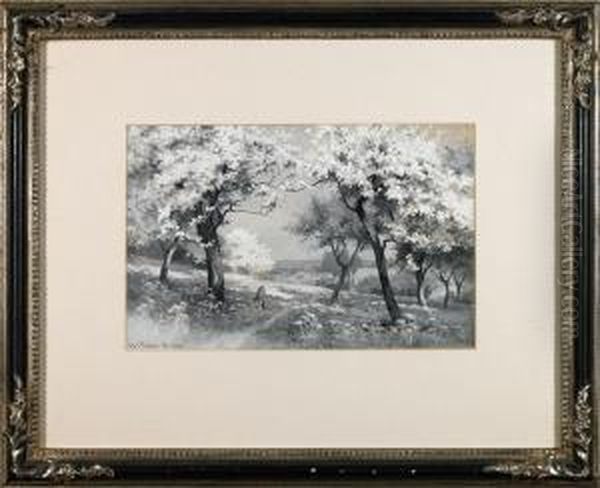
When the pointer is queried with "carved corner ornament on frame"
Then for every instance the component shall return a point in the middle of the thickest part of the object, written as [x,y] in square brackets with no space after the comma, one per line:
[18,48]
[575,466]
[48,470]
[581,42]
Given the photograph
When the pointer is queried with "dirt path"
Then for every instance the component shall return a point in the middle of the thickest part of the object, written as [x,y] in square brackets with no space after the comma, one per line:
[241,338]
[275,318]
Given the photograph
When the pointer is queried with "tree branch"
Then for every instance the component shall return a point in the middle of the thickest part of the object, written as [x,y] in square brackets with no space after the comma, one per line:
[247,211]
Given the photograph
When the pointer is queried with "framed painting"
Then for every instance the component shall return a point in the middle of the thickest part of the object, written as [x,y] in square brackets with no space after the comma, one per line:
[299,242]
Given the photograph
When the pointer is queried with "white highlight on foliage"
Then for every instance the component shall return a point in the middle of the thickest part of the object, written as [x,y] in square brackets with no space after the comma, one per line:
[183,176]
[416,195]
[245,253]
[412,195]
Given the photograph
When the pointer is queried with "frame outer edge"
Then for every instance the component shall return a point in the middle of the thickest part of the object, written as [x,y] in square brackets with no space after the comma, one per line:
[595,265]
[3,247]
[299,4]
[594,262]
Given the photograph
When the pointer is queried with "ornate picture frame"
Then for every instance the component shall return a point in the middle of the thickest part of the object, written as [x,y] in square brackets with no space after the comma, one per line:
[27,25]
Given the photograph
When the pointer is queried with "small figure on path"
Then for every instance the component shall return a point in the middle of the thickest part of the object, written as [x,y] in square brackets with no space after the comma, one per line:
[260,299]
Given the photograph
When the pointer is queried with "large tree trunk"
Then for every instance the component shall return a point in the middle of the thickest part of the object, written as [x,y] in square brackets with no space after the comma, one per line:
[420,279]
[446,293]
[342,281]
[384,279]
[215,271]
[166,262]
[379,251]
[207,231]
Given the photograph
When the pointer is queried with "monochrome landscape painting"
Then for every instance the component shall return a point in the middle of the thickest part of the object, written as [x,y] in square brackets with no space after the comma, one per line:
[301,236]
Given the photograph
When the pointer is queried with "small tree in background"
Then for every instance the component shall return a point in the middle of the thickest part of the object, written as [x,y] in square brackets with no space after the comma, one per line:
[331,226]
[329,264]
[432,244]
[463,269]
[445,271]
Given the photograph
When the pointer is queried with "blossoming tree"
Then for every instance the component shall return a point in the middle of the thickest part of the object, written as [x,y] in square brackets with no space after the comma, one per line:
[189,179]
[394,180]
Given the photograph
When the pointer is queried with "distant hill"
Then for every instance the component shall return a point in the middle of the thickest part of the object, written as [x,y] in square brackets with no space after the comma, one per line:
[309,264]
[296,264]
